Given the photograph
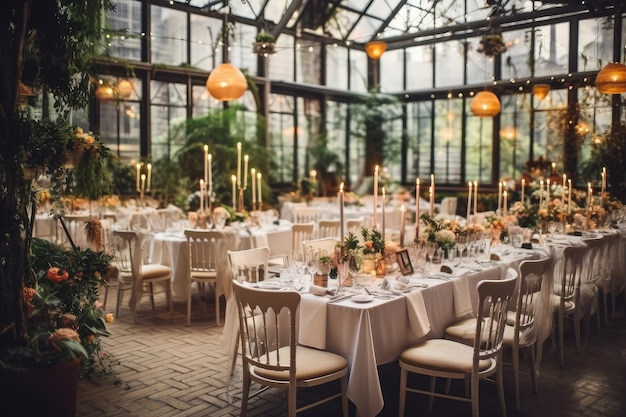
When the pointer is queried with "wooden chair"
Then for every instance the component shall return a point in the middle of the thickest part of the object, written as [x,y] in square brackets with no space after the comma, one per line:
[454,360]
[273,362]
[355,225]
[204,245]
[327,245]
[301,233]
[306,215]
[328,228]
[134,274]
[610,281]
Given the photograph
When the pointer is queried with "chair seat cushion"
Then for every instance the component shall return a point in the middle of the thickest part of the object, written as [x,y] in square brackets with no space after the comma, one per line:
[204,275]
[462,331]
[311,363]
[152,271]
[443,355]
[526,337]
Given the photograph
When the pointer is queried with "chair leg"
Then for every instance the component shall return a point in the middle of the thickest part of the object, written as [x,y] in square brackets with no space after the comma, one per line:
[431,388]
[170,300]
[218,317]
[106,296]
[344,396]
[515,360]
[533,367]
[245,392]
[500,384]
[403,377]
[292,400]
[152,295]
[561,352]
[475,395]
[577,329]
[189,303]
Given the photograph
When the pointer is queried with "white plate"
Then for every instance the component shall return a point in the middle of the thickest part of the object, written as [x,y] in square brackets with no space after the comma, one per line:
[270,285]
[362,298]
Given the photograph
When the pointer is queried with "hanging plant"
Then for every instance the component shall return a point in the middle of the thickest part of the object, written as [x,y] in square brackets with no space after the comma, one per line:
[492,43]
[264,44]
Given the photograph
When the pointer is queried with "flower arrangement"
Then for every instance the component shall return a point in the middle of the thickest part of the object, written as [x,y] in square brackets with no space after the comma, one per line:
[373,244]
[89,175]
[492,44]
[64,318]
[264,44]
[526,215]
[442,232]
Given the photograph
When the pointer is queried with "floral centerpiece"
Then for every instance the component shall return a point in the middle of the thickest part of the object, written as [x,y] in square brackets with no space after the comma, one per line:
[526,215]
[495,226]
[442,232]
[373,250]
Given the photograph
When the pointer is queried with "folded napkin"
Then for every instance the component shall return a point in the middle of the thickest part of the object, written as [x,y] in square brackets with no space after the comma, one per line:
[462,302]
[318,290]
[418,317]
[312,328]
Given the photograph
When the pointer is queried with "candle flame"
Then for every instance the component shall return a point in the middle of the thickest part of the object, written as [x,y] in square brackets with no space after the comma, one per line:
[341,187]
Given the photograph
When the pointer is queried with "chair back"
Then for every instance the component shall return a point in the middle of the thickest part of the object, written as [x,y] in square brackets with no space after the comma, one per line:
[448,206]
[249,265]
[204,245]
[592,265]
[354,226]
[267,323]
[306,214]
[328,228]
[571,271]
[128,254]
[528,297]
[327,245]
[493,300]
[301,232]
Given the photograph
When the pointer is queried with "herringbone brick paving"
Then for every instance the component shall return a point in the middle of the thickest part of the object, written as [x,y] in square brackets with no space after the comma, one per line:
[176,370]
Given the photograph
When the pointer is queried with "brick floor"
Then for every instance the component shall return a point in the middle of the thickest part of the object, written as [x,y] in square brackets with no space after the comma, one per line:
[176,370]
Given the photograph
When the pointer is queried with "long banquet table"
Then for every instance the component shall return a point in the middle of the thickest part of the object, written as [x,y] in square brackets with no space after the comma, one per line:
[375,333]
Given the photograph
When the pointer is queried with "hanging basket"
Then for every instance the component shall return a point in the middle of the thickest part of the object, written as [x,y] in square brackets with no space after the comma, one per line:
[264,48]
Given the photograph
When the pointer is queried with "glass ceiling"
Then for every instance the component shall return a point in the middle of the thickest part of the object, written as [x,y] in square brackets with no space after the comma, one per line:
[362,20]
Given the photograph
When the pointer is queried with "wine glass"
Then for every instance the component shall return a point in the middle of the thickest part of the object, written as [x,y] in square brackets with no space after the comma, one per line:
[461,244]
[342,273]
[431,247]
[355,264]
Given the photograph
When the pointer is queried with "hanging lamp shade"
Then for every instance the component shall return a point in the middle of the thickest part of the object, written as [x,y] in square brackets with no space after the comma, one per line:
[375,49]
[541,90]
[226,82]
[485,104]
[105,92]
[125,88]
[612,79]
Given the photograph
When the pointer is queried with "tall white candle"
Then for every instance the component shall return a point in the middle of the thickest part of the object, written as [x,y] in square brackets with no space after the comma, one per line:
[402,224]
[383,204]
[210,179]
[589,196]
[201,194]
[138,168]
[238,164]
[523,187]
[149,181]
[341,219]
[375,196]
[569,195]
[206,164]
[234,181]
[245,171]
[505,195]
[253,180]
[603,174]
[563,189]
[469,203]
[548,196]
[540,194]
[475,201]
[499,197]
[432,195]
[417,208]
[143,182]
[259,190]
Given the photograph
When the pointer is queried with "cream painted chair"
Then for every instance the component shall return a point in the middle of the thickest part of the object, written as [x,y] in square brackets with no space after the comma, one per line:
[276,363]
[137,277]
[611,279]
[328,228]
[307,214]
[301,233]
[355,225]
[203,245]
[451,359]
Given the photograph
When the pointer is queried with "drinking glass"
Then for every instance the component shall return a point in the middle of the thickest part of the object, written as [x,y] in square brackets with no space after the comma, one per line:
[461,244]
[355,265]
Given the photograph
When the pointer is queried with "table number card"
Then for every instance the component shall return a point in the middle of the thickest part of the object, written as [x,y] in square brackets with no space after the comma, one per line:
[404,262]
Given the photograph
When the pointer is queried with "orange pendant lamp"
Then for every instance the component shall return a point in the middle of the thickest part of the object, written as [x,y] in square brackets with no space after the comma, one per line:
[226,82]
[485,104]
[125,88]
[612,79]
[541,90]
[375,49]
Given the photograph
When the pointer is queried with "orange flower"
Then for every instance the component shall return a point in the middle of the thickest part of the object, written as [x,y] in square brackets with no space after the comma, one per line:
[67,321]
[62,334]
[29,293]
[109,318]
[57,275]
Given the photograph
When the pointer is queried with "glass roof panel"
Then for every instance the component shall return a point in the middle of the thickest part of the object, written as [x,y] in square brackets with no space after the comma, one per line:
[275,9]
[342,22]
[365,29]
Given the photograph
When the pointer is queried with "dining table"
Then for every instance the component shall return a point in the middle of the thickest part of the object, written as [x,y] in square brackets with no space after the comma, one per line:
[372,330]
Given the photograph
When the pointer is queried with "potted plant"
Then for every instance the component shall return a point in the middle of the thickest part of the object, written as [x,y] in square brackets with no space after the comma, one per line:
[264,44]
[47,46]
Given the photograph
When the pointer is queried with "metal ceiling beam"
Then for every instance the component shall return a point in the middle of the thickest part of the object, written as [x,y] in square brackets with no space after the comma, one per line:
[280,26]
[393,14]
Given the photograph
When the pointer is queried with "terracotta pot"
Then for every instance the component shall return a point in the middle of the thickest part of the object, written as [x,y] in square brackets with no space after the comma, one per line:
[48,391]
